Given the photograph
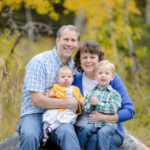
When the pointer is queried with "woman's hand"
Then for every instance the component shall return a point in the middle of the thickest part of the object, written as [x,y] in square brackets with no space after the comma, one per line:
[94,101]
[97,117]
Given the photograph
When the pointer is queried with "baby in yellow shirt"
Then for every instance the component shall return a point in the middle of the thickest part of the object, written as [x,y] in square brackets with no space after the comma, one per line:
[62,89]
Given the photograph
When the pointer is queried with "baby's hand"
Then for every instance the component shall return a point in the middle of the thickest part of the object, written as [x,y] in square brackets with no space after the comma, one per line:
[94,101]
[50,95]
[82,102]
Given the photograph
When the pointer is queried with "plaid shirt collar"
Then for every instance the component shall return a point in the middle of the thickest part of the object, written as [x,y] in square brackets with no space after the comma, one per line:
[108,87]
[57,59]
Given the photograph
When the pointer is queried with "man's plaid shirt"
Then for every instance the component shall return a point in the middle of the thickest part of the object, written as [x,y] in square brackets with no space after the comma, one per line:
[109,102]
[40,75]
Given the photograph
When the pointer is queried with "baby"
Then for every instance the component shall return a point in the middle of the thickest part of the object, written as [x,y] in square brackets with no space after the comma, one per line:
[63,89]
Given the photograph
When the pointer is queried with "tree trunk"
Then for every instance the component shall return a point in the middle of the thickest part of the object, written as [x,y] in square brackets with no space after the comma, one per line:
[80,23]
[112,34]
[147,12]
[136,65]
[31,27]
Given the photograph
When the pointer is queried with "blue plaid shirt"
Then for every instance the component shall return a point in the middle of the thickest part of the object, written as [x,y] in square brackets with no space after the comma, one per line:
[109,102]
[40,75]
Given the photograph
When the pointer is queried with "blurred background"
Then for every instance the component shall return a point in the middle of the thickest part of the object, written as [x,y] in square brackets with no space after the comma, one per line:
[121,27]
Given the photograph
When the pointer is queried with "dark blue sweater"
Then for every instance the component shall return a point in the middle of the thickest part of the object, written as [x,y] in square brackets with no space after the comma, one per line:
[126,112]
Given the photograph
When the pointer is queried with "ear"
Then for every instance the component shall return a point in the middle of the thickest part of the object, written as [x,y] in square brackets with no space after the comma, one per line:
[57,79]
[112,77]
[57,40]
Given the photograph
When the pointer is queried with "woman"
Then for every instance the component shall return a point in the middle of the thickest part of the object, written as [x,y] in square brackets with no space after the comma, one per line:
[88,55]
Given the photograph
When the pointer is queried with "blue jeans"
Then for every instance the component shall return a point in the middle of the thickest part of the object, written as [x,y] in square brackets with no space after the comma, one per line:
[30,128]
[65,136]
[92,138]
[84,133]
[108,139]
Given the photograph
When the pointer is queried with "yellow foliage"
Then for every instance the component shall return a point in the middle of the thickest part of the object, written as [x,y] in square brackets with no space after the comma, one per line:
[41,6]
[102,19]
[133,8]
[128,62]
[142,52]
[1,6]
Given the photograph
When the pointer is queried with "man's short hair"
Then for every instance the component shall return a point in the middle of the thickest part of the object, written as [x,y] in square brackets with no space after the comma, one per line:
[69,27]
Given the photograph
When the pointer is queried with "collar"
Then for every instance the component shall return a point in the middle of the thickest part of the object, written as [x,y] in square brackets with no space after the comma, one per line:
[106,88]
[57,59]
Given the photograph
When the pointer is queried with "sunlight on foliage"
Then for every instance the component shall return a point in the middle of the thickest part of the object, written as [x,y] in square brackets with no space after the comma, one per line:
[41,6]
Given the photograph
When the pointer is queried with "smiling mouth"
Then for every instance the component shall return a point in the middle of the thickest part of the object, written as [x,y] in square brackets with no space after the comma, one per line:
[103,80]
[68,48]
[89,65]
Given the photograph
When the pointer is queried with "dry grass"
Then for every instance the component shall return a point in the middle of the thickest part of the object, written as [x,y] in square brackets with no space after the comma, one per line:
[11,84]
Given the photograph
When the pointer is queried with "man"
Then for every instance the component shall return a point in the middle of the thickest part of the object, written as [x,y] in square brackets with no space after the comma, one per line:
[40,76]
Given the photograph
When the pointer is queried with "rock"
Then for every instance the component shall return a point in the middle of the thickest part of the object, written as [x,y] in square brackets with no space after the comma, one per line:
[11,143]
[130,143]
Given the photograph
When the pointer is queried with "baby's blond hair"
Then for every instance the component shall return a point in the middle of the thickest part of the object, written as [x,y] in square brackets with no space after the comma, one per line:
[105,62]
[65,67]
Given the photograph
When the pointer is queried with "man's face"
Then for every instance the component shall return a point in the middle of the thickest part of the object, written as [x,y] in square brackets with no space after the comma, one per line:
[67,44]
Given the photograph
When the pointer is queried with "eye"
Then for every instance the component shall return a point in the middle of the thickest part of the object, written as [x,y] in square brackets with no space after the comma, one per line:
[66,39]
[83,57]
[73,40]
[99,72]
[93,57]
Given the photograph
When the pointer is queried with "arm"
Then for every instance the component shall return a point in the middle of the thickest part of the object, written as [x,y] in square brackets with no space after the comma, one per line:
[126,111]
[40,100]
[87,108]
[35,84]
[97,117]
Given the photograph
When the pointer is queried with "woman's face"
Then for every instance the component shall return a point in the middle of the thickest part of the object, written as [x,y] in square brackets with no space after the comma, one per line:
[88,61]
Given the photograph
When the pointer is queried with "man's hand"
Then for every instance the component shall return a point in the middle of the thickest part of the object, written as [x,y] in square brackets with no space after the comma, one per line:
[72,104]
[50,95]
[94,101]
[82,102]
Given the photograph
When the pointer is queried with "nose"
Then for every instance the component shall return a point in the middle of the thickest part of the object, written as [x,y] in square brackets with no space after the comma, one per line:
[103,75]
[66,79]
[69,42]
[88,59]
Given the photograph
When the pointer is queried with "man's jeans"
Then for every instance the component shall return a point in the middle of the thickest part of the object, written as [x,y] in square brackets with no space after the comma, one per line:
[30,128]
[65,136]
[92,138]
